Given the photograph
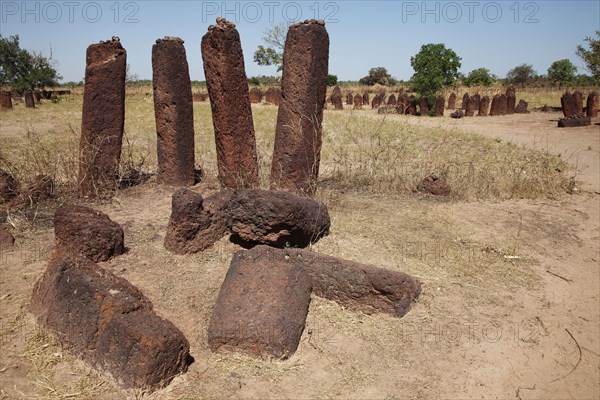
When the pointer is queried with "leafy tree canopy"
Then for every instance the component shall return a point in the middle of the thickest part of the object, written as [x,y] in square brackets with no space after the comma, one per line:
[435,66]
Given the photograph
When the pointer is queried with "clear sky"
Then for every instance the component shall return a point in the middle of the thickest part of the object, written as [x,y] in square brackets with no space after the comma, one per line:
[497,35]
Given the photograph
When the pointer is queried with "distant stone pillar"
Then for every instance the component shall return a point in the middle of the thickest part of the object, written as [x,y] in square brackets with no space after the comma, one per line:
[578,101]
[272,96]
[365,98]
[103,118]
[29,99]
[349,99]
[358,102]
[5,101]
[568,104]
[412,107]
[230,103]
[297,151]
[376,103]
[592,105]
[472,105]
[336,98]
[495,108]
[439,106]
[173,112]
[255,95]
[502,104]
[423,107]
[511,100]
[452,101]
[484,104]
[392,100]
[403,103]
[465,101]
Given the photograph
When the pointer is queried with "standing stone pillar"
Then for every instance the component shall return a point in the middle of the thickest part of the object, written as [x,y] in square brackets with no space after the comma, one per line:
[297,151]
[578,101]
[230,103]
[376,102]
[29,99]
[349,99]
[358,102]
[484,104]
[365,99]
[568,104]
[423,107]
[439,106]
[336,98]
[511,100]
[465,101]
[473,105]
[502,104]
[103,118]
[452,101]
[173,112]
[392,100]
[592,105]
[6,101]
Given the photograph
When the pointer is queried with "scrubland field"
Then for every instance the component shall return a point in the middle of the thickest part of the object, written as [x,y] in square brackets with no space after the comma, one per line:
[509,262]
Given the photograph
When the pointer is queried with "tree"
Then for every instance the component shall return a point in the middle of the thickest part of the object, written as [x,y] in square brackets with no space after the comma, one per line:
[591,57]
[21,69]
[562,71]
[479,77]
[272,54]
[378,75]
[435,66]
[332,80]
[521,74]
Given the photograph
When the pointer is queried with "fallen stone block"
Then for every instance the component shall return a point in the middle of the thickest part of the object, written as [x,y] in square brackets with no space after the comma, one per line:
[109,323]
[196,223]
[91,233]
[276,218]
[262,306]
[574,122]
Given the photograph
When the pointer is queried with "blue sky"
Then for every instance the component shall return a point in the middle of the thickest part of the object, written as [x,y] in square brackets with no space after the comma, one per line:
[497,35]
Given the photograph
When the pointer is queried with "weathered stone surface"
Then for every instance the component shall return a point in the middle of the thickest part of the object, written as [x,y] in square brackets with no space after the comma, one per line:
[276,218]
[297,150]
[392,100]
[592,105]
[273,95]
[231,111]
[102,119]
[423,107]
[255,95]
[439,106]
[349,99]
[196,223]
[5,101]
[484,106]
[578,101]
[336,98]
[29,99]
[452,101]
[465,101]
[91,233]
[174,112]
[358,287]
[574,121]
[521,108]
[495,107]
[434,185]
[198,97]
[358,102]
[511,100]
[403,103]
[511,91]
[568,104]
[376,103]
[109,323]
[8,187]
[457,114]
[473,103]
[262,306]
[412,107]
[7,240]
[365,99]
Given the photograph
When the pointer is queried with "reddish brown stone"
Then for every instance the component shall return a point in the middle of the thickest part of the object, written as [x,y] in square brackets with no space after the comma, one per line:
[452,101]
[376,103]
[412,107]
[109,323]
[199,97]
[272,95]
[465,101]
[457,114]
[336,98]
[472,105]
[196,223]
[510,104]
[29,99]
[297,150]
[521,108]
[439,106]
[403,103]
[494,108]
[255,95]
[103,118]
[262,306]
[511,91]
[484,105]
[358,102]
[423,107]
[91,233]
[365,99]
[7,240]
[276,218]
[5,101]
[8,187]
[568,104]
[173,111]
[349,99]
[434,185]
[231,111]
[574,121]
[392,100]
[592,105]
[358,287]
[578,101]
[502,104]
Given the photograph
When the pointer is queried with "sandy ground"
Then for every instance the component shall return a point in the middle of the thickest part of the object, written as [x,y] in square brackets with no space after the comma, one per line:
[509,308]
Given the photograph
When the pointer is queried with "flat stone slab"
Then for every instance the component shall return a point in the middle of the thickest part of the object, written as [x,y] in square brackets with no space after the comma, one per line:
[262,306]
[109,323]
[574,122]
